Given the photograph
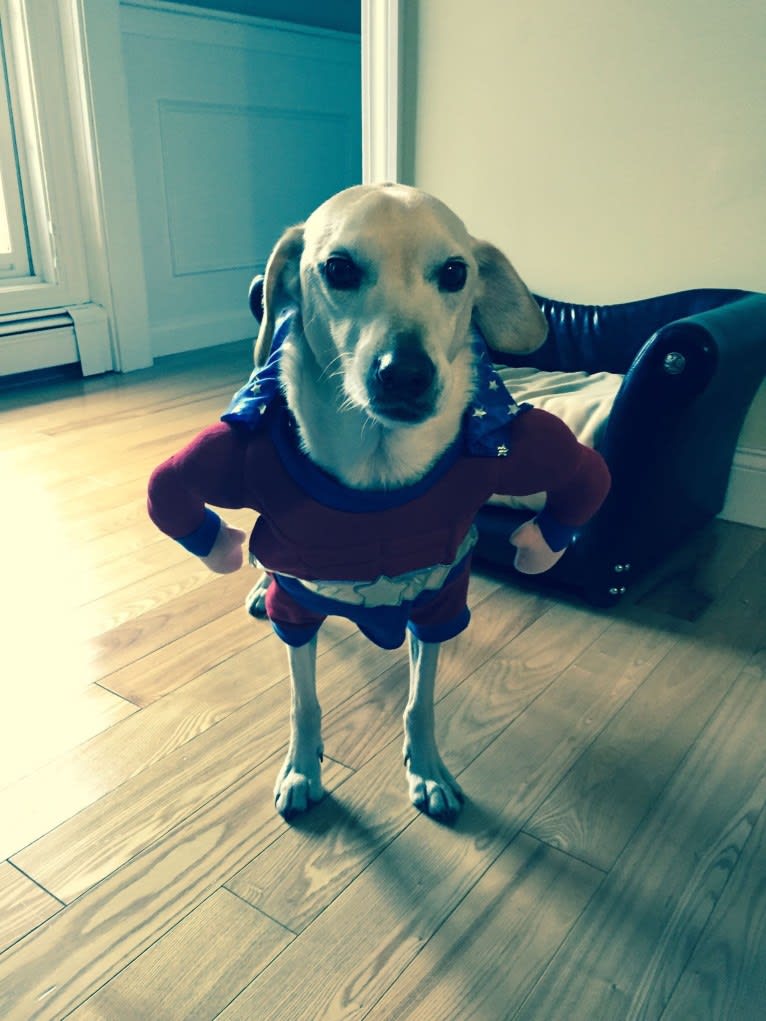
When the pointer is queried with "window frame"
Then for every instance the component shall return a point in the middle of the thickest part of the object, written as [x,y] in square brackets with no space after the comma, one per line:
[39,89]
[16,262]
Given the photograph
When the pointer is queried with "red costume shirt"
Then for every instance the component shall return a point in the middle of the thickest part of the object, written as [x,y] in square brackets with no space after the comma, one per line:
[387,559]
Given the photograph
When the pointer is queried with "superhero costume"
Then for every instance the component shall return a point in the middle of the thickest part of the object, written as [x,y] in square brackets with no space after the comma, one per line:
[387,559]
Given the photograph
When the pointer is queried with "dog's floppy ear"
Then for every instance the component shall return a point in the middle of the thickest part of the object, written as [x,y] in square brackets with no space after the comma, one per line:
[507,315]
[281,287]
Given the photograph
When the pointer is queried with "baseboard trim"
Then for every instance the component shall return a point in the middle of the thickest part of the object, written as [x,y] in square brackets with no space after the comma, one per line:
[746,495]
[191,334]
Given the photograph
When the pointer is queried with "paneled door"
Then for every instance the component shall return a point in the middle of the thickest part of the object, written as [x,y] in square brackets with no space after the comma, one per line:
[240,128]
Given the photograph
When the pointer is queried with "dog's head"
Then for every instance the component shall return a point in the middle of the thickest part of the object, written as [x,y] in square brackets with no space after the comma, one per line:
[386,280]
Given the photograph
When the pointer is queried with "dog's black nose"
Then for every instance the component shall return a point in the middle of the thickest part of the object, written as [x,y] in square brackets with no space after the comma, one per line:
[403,374]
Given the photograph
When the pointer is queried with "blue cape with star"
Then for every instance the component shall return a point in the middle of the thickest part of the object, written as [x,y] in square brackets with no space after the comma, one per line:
[486,428]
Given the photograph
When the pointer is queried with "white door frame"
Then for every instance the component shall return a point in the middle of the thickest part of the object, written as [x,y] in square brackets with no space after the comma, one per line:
[380,90]
[105,157]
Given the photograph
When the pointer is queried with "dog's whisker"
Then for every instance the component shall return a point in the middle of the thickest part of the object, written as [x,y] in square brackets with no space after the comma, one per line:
[330,372]
[337,373]
[349,404]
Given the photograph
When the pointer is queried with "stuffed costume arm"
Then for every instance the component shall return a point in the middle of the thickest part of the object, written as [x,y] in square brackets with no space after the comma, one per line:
[208,470]
[548,457]
[533,452]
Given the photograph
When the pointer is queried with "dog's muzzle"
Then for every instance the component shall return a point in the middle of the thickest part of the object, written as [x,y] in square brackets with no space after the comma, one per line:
[402,384]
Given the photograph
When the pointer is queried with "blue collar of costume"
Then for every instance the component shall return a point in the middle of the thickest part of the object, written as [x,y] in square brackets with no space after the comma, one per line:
[486,423]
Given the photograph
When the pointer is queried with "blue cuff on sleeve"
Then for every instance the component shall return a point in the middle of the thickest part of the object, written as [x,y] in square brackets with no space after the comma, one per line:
[557,536]
[201,540]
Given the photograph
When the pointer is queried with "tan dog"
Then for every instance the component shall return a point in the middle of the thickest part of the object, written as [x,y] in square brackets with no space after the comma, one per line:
[377,371]
[385,276]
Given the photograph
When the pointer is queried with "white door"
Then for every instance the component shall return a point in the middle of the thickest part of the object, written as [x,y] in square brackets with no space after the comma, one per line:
[240,128]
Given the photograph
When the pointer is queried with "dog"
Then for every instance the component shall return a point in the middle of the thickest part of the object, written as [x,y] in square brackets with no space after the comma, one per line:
[369,435]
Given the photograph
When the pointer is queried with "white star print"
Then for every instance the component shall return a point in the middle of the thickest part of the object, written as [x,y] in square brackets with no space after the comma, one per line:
[502,450]
[479,412]
[493,384]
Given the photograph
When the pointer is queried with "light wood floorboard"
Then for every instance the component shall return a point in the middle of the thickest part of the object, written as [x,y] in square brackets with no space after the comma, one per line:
[246,942]
[609,861]
[601,802]
[23,905]
[633,942]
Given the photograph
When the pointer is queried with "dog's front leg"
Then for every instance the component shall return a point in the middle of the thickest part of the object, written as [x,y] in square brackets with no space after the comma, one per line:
[433,789]
[299,783]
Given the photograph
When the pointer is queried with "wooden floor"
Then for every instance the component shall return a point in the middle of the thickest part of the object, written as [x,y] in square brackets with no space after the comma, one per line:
[610,862]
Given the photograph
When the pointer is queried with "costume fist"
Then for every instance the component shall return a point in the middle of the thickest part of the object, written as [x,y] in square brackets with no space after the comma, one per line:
[534,555]
[226,554]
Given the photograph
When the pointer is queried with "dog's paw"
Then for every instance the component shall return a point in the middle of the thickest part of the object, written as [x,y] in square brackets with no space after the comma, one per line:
[298,788]
[433,789]
[255,600]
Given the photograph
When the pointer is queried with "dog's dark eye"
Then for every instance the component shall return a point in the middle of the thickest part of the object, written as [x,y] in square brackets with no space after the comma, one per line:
[453,275]
[342,273]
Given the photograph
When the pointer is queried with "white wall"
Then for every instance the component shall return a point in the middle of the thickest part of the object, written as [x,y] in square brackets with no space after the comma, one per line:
[614,149]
